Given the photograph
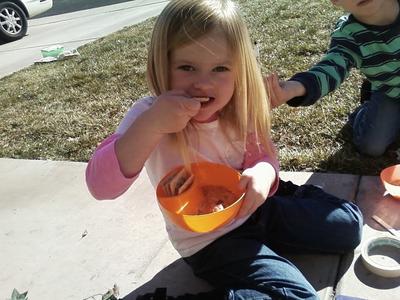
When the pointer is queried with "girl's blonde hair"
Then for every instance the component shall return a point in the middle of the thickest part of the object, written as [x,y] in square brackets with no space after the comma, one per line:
[183,21]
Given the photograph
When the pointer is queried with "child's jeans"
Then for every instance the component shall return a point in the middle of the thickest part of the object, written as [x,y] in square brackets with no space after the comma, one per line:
[376,124]
[303,220]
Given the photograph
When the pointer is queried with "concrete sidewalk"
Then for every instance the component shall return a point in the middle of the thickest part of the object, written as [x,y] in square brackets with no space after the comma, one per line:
[57,242]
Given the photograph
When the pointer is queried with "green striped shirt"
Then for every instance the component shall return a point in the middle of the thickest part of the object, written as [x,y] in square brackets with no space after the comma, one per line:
[374,50]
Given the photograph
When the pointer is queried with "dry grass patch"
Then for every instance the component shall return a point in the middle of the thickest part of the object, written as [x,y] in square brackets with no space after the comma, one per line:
[61,111]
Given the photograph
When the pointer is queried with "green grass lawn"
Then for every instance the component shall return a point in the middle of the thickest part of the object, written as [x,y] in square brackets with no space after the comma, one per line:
[62,110]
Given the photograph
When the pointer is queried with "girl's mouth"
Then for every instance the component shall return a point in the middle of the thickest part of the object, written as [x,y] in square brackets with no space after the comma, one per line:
[204,100]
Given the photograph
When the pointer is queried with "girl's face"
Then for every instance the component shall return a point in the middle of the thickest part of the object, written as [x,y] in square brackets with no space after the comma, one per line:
[204,68]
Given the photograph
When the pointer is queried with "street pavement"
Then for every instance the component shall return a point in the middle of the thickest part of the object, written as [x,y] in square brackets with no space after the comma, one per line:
[73,30]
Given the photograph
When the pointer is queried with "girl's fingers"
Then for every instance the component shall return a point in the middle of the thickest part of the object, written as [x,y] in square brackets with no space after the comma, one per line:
[191,106]
[182,101]
[247,204]
[244,181]
[244,208]
[175,109]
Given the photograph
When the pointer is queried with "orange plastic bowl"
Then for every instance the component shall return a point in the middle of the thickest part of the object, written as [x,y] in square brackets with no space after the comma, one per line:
[182,209]
[391,180]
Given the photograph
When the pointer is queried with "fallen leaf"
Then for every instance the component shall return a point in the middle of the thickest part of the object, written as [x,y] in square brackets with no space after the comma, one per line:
[17,296]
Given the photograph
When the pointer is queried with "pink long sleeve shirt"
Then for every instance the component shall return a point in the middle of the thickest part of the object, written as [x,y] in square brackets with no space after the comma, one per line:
[106,181]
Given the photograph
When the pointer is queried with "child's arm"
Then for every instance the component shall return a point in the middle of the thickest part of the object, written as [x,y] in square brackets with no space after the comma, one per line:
[103,175]
[117,162]
[257,181]
[260,177]
[305,88]
[169,114]
[282,91]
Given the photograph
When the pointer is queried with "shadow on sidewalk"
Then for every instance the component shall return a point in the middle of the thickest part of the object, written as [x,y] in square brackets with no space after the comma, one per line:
[177,277]
[373,280]
[349,160]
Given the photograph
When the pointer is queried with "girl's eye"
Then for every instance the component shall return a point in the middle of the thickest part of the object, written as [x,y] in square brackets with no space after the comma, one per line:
[186,68]
[221,69]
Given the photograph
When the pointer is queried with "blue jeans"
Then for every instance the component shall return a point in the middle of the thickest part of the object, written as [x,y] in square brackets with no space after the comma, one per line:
[376,124]
[246,262]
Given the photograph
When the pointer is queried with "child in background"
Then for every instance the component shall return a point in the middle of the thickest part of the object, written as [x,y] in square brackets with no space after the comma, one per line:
[201,50]
[367,39]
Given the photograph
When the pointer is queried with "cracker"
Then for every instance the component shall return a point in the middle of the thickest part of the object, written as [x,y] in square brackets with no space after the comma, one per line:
[216,194]
[178,180]
[186,184]
[166,183]
[202,99]
[216,198]
[218,207]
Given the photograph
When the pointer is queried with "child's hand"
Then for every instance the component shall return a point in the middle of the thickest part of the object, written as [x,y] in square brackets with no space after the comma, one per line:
[172,111]
[257,182]
[282,91]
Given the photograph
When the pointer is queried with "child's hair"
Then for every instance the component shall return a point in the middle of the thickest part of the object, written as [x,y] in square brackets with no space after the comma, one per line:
[184,21]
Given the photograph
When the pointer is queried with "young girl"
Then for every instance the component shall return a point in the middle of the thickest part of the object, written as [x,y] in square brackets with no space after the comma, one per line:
[209,104]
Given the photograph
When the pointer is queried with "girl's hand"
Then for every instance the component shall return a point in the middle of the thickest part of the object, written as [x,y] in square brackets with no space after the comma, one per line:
[282,91]
[172,111]
[257,182]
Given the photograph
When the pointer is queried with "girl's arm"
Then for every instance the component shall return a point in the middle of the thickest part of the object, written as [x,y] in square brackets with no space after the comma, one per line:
[170,113]
[117,162]
[104,178]
[260,177]
[134,147]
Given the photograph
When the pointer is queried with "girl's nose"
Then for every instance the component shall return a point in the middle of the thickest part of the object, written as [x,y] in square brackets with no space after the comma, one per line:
[203,82]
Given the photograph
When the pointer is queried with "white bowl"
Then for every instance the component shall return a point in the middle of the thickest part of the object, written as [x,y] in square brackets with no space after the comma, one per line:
[381,255]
